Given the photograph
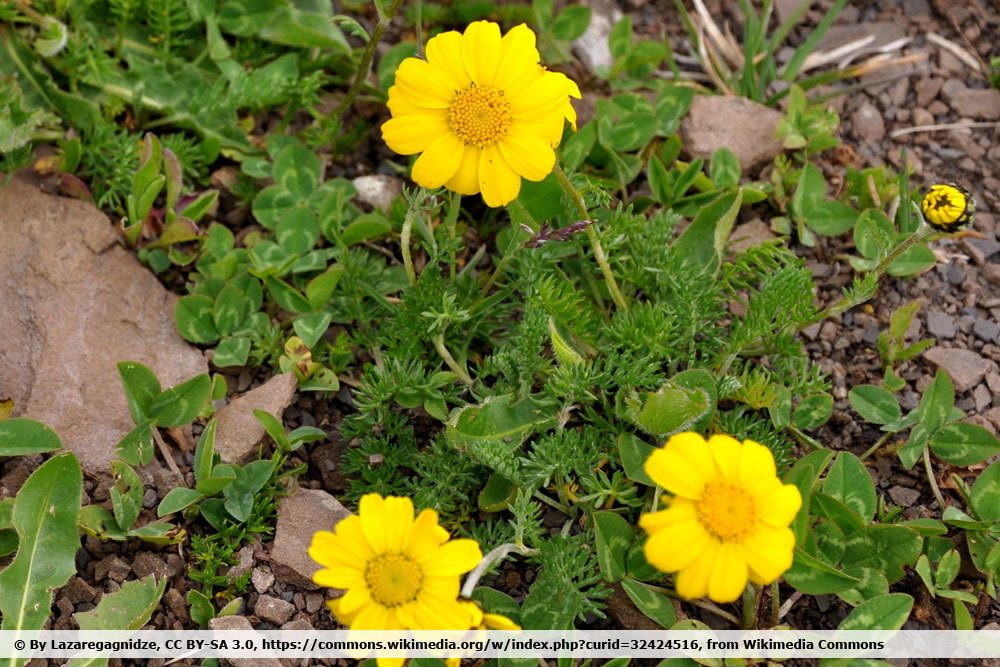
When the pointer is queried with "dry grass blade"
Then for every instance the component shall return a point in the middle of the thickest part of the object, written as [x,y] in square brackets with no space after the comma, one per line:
[956,51]
[821,58]
[944,126]
[728,47]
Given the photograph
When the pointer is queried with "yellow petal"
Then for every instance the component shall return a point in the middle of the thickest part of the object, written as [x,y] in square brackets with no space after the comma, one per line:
[769,552]
[371,509]
[757,471]
[439,162]
[400,106]
[425,536]
[452,559]
[497,181]
[548,129]
[498,622]
[680,466]
[414,133]
[466,178]
[420,96]
[692,581]
[680,510]
[726,452]
[345,548]
[399,520]
[353,600]
[674,547]
[432,81]
[548,92]
[780,506]
[339,577]
[481,51]
[517,55]
[729,574]
[375,617]
[390,662]
[445,52]
[441,615]
[528,157]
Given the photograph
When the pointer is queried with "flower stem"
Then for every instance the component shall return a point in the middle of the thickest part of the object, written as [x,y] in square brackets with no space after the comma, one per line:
[751,594]
[775,603]
[404,244]
[365,66]
[930,477]
[451,224]
[595,242]
[878,443]
[455,367]
[488,560]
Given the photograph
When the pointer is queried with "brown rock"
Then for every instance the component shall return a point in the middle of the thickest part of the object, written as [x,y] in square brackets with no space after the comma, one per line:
[262,580]
[146,563]
[928,88]
[238,433]
[111,567]
[750,234]
[965,367]
[240,623]
[884,32]
[75,304]
[979,103]
[903,496]
[77,590]
[868,123]
[741,125]
[299,516]
[273,610]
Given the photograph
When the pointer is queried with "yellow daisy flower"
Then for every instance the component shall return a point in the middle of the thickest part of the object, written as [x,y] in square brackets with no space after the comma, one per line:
[481,111]
[727,520]
[948,207]
[399,573]
[484,621]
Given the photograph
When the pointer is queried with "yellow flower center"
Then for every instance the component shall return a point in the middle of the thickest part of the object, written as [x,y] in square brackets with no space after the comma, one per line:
[479,115]
[727,511]
[393,579]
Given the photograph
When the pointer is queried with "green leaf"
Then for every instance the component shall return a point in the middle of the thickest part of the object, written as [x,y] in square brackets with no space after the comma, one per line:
[231,308]
[659,181]
[126,494]
[613,537]
[632,131]
[724,169]
[703,242]
[873,584]
[297,231]
[947,569]
[578,146]
[830,217]
[963,444]
[963,619]
[874,234]
[176,500]
[298,170]
[915,259]
[240,493]
[634,452]
[310,328]
[497,495]
[571,22]
[286,296]
[365,226]
[320,289]
[128,608]
[181,404]
[201,609]
[653,604]
[274,428]
[45,513]
[885,612]
[812,576]
[884,548]
[671,106]
[936,403]
[850,482]
[21,436]
[833,509]
[809,192]
[136,448]
[874,404]
[501,420]
[813,411]
[141,388]
[195,318]
[232,351]
[913,448]
[671,409]
[271,204]
[985,496]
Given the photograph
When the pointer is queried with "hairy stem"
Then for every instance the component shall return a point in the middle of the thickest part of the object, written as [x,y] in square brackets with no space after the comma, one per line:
[488,560]
[751,595]
[449,360]
[404,244]
[595,242]
[931,479]
[365,66]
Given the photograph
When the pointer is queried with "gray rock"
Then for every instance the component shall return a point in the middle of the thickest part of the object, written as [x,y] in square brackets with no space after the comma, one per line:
[965,367]
[986,330]
[868,123]
[378,190]
[244,562]
[981,249]
[749,235]
[238,433]
[146,563]
[75,303]
[262,580]
[592,46]
[927,89]
[273,610]
[744,127]
[941,325]
[299,517]
[983,397]
[979,103]
[903,496]
[951,89]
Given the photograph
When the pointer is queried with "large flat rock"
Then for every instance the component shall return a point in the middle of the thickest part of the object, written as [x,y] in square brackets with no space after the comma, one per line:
[300,515]
[741,125]
[75,303]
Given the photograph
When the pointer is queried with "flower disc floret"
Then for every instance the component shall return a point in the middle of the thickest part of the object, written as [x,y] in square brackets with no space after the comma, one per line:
[481,111]
[728,519]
